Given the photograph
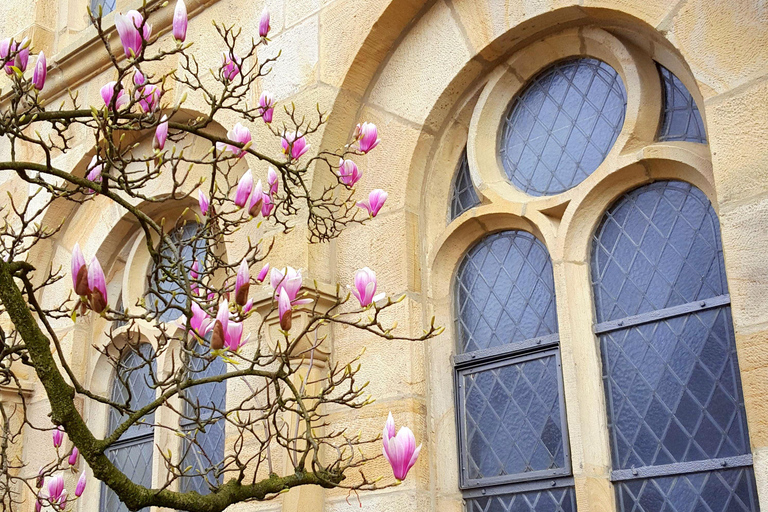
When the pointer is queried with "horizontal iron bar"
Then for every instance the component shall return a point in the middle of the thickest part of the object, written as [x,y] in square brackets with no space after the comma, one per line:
[506,350]
[679,468]
[536,485]
[661,314]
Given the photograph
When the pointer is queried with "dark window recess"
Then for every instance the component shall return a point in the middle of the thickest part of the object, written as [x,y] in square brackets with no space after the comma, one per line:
[675,405]
[204,424]
[463,195]
[513,442]
[680,117]
[166,279]
[132,453]
[560,128]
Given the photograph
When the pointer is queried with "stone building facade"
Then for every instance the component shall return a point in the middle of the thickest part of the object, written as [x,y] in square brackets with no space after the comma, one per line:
[458,89]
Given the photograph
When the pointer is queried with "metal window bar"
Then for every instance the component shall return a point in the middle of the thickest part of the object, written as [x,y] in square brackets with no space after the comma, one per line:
[516,354]
[554,499]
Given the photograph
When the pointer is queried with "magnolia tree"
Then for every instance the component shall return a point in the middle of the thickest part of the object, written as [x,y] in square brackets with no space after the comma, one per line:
[208,290]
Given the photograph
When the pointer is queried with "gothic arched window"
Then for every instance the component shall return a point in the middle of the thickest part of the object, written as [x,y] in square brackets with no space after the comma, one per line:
[678,429]
[513,442]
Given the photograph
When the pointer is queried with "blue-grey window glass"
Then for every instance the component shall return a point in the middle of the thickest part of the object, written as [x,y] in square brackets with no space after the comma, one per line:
[463,195]
[560,128]
[132,453]
[107,6]
[203,424]
[557,500]
[680,119]
[511,421]
[505,292]
[670,369]
[192,248]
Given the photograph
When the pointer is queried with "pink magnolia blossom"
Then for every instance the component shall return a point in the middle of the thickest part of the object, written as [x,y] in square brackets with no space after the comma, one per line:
[41,71]
[257,200]
[266,205]
[5,51]
[248,306]
[80,284]
[220,326]
[272,180]
[161,133]
[376,200]
[262,273]
[94,171]
[63,500]
[267,105]
[73,456]
[230,66]
[293,145]
[55,487]
[138,78]
[348,172]
[400,450]
[80,488]
[98,286]
[38,504]
[284,310]
[264,24]
[200,323]
[204,203]
[233,338]
[108,92]
[193,271]
[288,279]
[58,437]
[148,97]
[244,188]
[368,136]
[242,283]
[9,47]
[239,134]
[40,480]
[365,287]
[134,33]
[180,21]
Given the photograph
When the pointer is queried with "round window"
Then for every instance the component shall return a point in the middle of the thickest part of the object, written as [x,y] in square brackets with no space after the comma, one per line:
[559,129]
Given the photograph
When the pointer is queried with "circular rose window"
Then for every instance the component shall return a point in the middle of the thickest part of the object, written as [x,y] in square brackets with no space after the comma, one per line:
[559,129]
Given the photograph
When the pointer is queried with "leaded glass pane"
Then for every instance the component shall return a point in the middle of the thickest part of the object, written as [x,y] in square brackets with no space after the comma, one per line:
[657,247]
[562,126]
[673,389]
[107,6]
[555,500]
[680,119]
[192,248]
[729,490]
[511,418]
[463,195]
[505,292]
[135,460]
[204,424]
[132,454]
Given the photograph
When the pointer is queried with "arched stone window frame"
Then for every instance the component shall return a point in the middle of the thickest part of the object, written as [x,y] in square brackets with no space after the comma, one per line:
[564,222]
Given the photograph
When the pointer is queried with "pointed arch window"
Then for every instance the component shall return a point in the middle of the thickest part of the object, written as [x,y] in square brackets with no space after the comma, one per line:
[513,442]
[680,119]
[678,430]
[133,452]
[203,424]
[463,195]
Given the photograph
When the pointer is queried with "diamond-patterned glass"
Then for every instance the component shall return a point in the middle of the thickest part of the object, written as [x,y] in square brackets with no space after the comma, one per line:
[133,453]
[674,392]
[135,460]
[562,126]
[658,246]
[555,500]
[504,292]
[191,248]
[511,418]
[729,490]
[463,195]
[107,6]
[204,425]
[680,119]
